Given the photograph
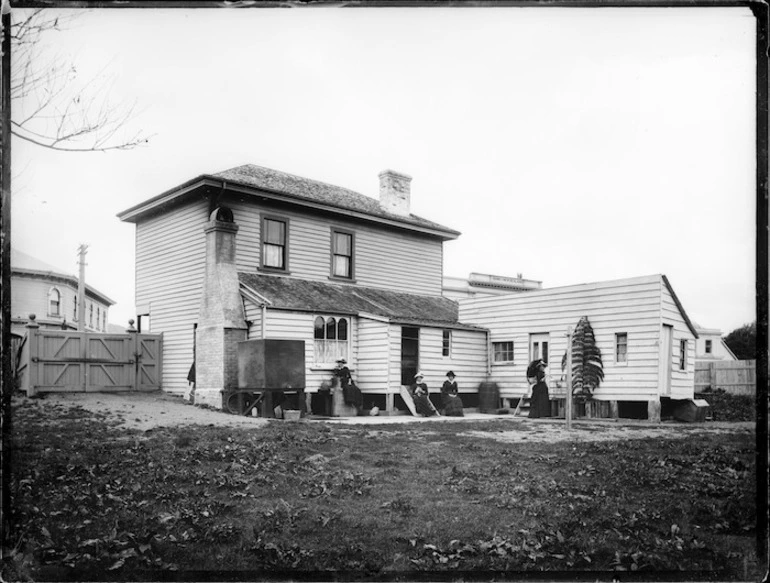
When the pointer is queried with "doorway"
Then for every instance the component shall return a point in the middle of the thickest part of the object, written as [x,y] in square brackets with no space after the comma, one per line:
[410,354]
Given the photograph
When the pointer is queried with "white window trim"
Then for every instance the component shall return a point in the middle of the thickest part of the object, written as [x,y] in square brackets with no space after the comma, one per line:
[449,355]
[321,365]
[620,362]
[504,362]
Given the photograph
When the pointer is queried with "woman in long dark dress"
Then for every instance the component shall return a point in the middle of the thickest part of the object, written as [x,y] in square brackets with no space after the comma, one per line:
[540,404]
[351,394]
[419,392]
[450,400]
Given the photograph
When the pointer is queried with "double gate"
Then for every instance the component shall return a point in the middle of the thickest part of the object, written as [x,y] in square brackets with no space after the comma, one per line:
[70,361]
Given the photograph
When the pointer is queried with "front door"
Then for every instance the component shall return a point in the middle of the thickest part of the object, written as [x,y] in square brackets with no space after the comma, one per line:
[410,354]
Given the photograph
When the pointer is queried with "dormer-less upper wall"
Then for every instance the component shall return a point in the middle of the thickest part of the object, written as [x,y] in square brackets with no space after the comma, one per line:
[384,258]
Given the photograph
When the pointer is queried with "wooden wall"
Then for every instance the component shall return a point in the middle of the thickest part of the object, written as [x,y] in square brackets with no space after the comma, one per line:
[737,377]
[170,264]
[383,258]
[632,306]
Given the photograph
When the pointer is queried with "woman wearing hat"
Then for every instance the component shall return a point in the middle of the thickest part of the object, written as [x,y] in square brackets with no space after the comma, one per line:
[450,400]
[351,394]
[540,404]
[419,392]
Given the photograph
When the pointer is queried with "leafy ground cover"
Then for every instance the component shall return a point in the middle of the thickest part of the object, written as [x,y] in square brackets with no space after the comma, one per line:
[317,501]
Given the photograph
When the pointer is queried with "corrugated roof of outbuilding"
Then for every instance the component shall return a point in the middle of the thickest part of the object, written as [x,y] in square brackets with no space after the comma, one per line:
[289,293]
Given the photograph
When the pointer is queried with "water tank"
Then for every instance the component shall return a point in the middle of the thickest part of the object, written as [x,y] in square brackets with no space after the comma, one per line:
[271,364]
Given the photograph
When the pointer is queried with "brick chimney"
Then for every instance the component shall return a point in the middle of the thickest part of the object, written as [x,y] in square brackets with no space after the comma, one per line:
[395,191]
[221,320]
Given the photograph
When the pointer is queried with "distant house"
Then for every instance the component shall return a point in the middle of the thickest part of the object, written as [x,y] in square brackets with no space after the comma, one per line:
[646,339]
[710,345]
[52,295]
[257,253]
[482,284]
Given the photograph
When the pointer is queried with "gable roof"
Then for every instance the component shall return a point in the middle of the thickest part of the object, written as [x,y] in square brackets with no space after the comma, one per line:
[267,183]
[289,293]
[23,264]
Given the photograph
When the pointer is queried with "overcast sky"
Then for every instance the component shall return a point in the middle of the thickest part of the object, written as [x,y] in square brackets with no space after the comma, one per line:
[571,145]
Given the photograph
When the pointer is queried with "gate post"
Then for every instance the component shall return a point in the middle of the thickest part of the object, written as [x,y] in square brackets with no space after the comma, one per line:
[33,350]
[134,346]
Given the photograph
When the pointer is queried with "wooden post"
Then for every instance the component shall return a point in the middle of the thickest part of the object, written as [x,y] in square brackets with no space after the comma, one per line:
[568,399]
[33,348]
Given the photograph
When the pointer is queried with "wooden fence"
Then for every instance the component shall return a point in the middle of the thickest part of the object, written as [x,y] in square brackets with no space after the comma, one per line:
[69,361]
[737,377]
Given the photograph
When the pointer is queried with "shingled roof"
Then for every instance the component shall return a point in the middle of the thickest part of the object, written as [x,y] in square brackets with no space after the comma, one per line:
[288,293]
[260,181]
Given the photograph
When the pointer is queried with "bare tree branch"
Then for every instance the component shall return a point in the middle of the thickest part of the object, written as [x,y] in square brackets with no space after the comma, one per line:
[52,106]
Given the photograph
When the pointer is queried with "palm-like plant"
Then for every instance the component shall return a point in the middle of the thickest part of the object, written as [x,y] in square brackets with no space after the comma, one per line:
[587,367]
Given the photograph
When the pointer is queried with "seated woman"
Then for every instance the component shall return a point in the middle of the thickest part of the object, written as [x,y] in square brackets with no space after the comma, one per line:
[351,394]
[419,393]
[450,400]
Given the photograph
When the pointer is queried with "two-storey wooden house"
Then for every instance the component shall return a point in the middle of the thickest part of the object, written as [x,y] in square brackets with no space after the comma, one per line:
[264,254]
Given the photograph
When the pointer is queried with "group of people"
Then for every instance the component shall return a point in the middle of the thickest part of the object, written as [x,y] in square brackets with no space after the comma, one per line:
[451,403]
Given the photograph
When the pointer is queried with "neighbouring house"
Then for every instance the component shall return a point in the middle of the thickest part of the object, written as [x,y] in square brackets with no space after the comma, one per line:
[256,253]
[710,345]
[52,295]
[646,339]
[482,284]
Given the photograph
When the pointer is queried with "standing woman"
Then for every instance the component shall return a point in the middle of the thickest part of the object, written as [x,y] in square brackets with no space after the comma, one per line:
[450,400]
[540,404]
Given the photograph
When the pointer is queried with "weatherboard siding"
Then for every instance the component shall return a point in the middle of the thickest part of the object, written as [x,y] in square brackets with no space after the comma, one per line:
[467,358]
[372,361]
[383,258]
[682,381]
[170,264]
[630,306]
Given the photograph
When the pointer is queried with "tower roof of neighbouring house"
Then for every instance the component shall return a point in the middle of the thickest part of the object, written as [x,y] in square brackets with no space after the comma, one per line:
[288,293]
[270,184]
[24,264]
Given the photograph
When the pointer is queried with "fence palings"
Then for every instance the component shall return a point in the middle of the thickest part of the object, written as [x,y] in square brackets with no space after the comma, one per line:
[737,377]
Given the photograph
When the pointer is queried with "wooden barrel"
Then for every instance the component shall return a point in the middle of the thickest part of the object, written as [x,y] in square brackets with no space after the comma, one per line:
[489,397]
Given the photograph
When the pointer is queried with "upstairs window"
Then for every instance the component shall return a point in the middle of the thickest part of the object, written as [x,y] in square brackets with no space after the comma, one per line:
[98,316]
[708,347]
[330,337]
[91,315]
[502,352]
[54,302]
[342,254]
[274,243]
[621,347]
[75,309]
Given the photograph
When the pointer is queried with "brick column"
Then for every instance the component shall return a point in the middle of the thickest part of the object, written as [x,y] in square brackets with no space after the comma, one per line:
[221,321]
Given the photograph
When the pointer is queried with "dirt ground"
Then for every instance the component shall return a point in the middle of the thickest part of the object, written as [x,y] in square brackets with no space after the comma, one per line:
[148,411]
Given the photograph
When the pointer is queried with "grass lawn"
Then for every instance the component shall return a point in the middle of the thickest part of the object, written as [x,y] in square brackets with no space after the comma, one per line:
[423,501]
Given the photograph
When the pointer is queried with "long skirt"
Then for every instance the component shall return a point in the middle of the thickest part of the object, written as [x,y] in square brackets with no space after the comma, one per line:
[453,405]
[540,404]
[351,394]
[423,406]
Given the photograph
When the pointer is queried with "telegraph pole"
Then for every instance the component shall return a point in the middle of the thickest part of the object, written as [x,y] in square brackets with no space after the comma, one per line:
[82,287]
[568,400]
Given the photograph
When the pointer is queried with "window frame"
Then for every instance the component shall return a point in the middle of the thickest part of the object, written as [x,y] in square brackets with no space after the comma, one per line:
[332,355]
[495,352]
[446,343]
[57,292]
[683,354]
[709,346]
[262,242]
[618,336]
[333,254]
